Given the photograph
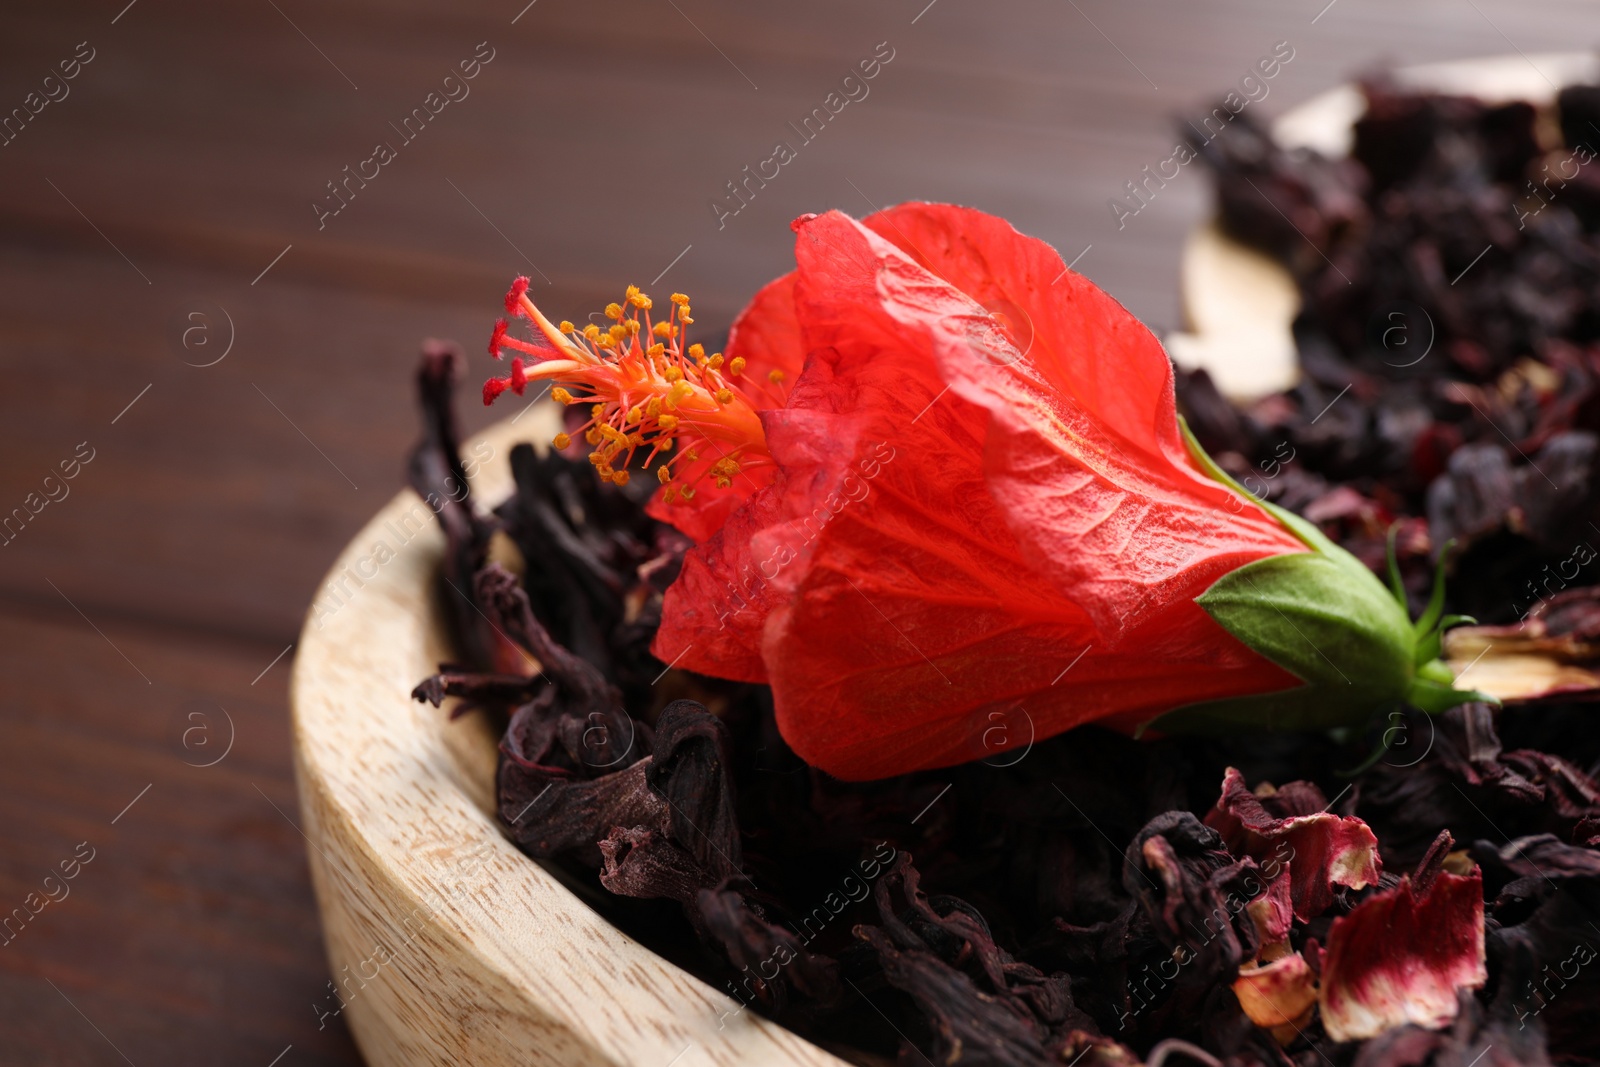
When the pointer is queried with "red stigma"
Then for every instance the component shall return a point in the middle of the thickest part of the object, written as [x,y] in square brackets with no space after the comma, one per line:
[514,294]
[493,388]
[498,337]
[519,376]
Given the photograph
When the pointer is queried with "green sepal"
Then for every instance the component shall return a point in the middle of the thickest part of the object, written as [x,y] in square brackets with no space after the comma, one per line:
[1433,697]
[1397,584]
[1324,617]
[1431,644]
[1430,615]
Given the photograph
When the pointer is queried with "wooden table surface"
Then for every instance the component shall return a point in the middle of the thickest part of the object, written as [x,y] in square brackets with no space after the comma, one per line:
[161,203]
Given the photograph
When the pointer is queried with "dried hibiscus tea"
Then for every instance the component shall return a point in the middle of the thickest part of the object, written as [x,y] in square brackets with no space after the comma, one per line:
[881,666]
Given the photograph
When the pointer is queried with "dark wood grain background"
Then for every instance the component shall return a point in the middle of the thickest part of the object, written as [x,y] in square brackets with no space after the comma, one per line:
[145,616]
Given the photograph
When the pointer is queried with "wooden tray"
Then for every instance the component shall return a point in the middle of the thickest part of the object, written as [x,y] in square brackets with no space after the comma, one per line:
[448,945]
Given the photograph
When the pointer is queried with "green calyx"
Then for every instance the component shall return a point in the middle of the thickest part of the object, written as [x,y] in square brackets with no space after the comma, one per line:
[1324,617]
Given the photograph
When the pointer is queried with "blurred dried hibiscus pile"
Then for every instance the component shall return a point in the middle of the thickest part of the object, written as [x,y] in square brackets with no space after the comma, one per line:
[967,866]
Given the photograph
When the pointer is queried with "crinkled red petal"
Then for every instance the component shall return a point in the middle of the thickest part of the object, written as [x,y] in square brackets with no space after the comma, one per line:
[1401,956]
[1320,850]
[1084,451]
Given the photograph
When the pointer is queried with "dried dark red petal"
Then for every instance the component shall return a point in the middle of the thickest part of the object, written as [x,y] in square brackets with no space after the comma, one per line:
[550,814]
[436,473]
[689,772]
[1403,955]
[1318,849]
[772,962]
[640,862]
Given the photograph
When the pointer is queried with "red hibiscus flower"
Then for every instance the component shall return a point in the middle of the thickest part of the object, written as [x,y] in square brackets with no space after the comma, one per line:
[939,482]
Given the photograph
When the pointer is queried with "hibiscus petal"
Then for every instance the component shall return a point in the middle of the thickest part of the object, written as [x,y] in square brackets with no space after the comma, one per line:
[1401,956]
[766,335]
[1273,915]
[1279,994]
[1087,461]
[916,615]
[1320,849]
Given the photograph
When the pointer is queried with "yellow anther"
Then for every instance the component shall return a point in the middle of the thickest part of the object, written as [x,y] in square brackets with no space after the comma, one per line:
[618,332]
[613,311]
[725,396]
[688,492]
[662,330]
[636,439]
[679,299]
[605,340]
[668,423]
[566,327]
[593,436]
[591,331]
[620,478]
[596,458]
[723,471]
[664,444]
[736,366]
[560,440]
[775,377]
[692,456]
[663,474]
[697,352]
[685,319]
[634,414]
[597,410]
[612,434]
[673,375]
[670,495]
[632,326]
[560,395]
[657,350]
[715,362]
[679,392]
[653,408]
[638,299]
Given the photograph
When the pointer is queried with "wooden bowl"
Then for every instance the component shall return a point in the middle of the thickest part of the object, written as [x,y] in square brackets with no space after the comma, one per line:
[1239,304]
[448,946]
